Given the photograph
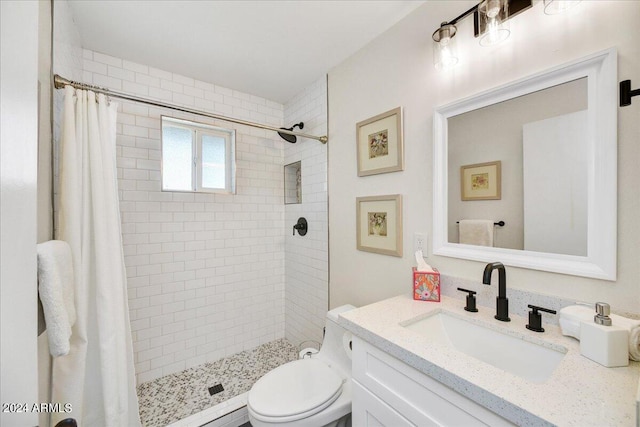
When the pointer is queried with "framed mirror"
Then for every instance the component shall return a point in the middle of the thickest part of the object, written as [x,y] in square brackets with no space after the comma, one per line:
[553,136]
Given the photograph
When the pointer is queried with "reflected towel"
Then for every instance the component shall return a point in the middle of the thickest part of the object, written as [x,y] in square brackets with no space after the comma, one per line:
[477,232]
[570,318]
[55,286]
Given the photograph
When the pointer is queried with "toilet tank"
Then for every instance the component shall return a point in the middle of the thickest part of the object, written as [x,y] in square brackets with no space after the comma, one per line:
[336,345]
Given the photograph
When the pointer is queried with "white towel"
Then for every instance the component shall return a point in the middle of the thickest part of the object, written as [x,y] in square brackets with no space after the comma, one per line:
[571,316]
[55,286]
[477,232]
[634,334]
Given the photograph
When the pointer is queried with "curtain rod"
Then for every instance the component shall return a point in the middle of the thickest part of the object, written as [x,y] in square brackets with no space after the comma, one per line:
[60,82]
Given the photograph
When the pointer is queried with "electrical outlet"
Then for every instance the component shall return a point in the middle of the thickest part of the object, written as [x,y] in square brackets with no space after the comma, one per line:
[420,243]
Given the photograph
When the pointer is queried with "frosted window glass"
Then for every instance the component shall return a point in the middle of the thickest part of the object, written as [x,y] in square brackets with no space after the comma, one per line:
[213,161]
[197,157]
[177,157]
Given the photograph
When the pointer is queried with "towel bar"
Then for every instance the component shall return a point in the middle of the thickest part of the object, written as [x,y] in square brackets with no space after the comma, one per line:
[499,223]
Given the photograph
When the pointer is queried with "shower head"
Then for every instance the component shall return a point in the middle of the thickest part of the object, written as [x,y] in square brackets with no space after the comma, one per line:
[291,138]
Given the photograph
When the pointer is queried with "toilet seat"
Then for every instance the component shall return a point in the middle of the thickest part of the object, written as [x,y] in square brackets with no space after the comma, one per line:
[294,391]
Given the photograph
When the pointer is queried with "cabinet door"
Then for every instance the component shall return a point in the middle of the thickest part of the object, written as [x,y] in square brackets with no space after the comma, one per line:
[418,397]
[367,410]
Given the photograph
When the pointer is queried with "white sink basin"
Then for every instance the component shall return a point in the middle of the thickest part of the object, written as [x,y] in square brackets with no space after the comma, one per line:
[525,359]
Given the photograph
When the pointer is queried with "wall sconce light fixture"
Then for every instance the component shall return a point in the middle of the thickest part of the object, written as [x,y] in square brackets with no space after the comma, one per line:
[493,16]
[490,25]
[445,54]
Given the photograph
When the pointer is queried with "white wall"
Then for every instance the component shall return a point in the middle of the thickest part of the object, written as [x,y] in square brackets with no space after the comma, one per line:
[67,61]
[45,187]
[18,195]
[397,70]
[306,258]
[45,175]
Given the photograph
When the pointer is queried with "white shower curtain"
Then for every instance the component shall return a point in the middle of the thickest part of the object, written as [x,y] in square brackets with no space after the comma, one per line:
[97,377]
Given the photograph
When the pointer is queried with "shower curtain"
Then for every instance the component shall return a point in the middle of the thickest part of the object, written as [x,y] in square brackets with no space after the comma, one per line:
[97,377]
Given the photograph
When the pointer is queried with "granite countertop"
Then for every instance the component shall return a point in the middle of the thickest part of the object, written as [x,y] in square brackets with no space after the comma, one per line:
[580,392]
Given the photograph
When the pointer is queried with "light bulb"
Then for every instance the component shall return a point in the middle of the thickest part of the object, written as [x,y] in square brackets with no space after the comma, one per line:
[444,51]
[493,8]
[448,59]
[494,15]
[494,35]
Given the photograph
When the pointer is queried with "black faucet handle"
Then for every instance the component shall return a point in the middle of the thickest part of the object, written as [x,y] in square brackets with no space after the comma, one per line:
[471,300]
[535,308]
[535,318]
[301,226]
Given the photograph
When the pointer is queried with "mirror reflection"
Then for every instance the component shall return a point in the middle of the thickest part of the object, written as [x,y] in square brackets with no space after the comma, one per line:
[538,188]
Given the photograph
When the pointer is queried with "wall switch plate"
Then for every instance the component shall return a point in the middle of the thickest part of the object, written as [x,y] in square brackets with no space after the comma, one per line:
[420,243]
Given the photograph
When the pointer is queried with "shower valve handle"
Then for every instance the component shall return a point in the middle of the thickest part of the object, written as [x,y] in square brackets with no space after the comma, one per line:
[301,226]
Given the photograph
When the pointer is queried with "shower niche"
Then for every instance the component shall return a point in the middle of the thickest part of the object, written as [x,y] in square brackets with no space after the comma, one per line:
[293,183]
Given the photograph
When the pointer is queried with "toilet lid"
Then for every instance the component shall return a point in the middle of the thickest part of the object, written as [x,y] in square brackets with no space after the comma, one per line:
[295,390]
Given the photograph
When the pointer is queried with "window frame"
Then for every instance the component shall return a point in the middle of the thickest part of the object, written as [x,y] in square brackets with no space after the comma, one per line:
[198,130]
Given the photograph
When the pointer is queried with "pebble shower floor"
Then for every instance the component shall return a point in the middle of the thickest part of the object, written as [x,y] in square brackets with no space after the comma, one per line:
[174,397]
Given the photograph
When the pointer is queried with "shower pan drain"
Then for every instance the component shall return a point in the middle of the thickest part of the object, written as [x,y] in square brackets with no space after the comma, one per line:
[216,389]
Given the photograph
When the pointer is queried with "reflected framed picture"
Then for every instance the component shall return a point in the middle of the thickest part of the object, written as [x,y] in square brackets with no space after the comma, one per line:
[379,143]
[379,224]
[481,181]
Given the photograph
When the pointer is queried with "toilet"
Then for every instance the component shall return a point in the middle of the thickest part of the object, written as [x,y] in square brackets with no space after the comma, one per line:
[314,391]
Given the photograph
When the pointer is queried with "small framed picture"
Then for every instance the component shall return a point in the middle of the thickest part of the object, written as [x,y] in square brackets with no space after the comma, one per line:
[379,224]
[379,143]
[481,181]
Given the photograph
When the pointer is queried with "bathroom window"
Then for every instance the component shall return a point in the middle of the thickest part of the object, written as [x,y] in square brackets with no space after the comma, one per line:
[197,157]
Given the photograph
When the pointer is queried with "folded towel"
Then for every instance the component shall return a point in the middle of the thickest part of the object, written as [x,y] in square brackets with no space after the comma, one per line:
[571,316]
[477,232]
[55,286]
[634,334]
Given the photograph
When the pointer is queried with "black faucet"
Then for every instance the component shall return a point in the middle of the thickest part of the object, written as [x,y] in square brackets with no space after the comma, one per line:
[502,303]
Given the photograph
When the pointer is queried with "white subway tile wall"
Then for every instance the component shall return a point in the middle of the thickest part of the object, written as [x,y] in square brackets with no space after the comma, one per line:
[306,258]
[205,271]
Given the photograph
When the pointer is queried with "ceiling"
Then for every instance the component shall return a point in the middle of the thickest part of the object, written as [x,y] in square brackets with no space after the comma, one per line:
[272,49]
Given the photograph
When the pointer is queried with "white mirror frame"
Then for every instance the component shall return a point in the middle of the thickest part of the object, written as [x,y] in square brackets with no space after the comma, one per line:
[601,72]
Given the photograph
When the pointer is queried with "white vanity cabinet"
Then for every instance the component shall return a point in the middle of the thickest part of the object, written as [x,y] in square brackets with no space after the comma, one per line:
[388,392]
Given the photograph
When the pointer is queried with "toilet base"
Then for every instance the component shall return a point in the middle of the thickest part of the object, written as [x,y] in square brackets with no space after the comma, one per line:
[344,421]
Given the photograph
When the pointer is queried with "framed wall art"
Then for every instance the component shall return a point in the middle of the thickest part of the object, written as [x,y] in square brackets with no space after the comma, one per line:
[481,181]
[379,224]
[379,143]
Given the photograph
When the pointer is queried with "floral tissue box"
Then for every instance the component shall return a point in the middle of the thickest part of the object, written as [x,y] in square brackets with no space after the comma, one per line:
[426,285]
